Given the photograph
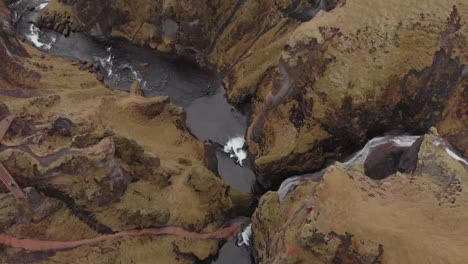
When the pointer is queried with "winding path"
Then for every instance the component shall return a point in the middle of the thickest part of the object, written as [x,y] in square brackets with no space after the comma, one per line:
[46,245]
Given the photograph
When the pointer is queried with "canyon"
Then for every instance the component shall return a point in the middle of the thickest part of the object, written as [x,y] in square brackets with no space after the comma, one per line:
[273,131]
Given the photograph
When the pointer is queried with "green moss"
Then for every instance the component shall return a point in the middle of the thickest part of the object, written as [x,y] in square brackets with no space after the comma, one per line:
[269,209]
[309,138]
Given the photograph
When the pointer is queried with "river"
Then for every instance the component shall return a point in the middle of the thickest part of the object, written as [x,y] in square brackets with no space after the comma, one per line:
[209,116]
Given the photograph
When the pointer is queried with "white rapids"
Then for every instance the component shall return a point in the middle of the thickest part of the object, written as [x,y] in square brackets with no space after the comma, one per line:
[34,38]
[107,63]
[42,6]
[290,184]
[245,237]
[450,152]
[234,147]
[399,141]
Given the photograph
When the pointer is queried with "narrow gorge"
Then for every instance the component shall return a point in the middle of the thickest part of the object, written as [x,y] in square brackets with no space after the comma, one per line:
[237,131]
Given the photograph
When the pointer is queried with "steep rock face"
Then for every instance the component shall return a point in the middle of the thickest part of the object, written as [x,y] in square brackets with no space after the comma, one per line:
[97,162]
[320,77]
[355,78]
[416,215]
[11,70]
[356,70]
[188,26]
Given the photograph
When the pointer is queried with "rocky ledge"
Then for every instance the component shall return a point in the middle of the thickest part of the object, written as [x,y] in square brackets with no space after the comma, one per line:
[344,215]
[114,172]
[319,79]
[351,71]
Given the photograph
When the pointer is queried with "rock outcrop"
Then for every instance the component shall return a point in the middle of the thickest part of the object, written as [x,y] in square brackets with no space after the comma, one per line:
[95,162]
[356,78]
[344,216]
[11,69]
[318,78]
[358,70]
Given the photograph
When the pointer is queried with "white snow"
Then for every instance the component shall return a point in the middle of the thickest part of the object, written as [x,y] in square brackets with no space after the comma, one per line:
[234,147]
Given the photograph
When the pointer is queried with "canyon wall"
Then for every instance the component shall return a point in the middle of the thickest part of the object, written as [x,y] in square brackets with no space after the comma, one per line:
[319,79]
[11,70]
[359,70]
[413,215]
[88,164]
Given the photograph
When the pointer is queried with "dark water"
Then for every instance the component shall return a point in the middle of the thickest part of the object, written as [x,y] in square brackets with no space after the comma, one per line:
[230,253]
[209,116]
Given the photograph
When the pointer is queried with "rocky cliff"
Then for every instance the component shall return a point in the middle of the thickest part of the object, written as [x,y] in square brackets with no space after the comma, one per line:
[345,215]
[88,165]
[319,79]
[357,70]
[11,70]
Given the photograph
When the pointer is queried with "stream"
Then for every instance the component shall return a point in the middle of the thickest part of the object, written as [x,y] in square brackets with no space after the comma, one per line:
[210,118]
[201,94]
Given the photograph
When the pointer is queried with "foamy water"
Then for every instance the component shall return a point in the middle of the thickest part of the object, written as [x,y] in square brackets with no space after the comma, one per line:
[234,147]
[450,152]
[42,6]
[245,237]
[400,141]
[291,184]
[34,38]
[288,186]
[106,63]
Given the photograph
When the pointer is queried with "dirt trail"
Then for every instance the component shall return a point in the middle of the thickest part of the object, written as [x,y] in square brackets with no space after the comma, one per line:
[43,245]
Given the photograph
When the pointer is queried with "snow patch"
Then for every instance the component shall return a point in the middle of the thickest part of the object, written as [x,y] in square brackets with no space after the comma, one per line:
[234,147]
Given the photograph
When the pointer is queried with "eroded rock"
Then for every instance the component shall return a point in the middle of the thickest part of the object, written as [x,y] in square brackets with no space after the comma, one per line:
[106,162]
[351,85]
[347,217]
